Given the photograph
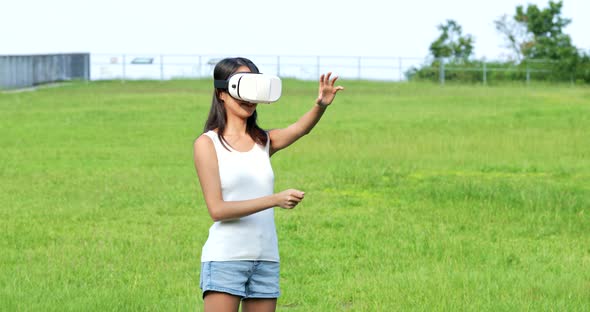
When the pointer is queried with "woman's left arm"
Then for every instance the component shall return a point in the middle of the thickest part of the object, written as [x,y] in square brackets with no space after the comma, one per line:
[281,138]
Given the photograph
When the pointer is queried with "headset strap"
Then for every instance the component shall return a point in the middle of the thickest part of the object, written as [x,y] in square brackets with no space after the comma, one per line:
[220,84]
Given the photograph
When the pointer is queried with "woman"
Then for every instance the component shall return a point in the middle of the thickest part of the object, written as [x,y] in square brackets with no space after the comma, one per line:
[240,260]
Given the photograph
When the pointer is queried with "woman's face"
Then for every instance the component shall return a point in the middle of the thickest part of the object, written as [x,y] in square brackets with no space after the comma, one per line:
[237,107]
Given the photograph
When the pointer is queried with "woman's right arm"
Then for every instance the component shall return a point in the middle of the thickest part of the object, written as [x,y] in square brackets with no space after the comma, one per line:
[208,172]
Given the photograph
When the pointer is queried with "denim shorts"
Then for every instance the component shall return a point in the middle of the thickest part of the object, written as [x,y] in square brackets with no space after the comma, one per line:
[245,279]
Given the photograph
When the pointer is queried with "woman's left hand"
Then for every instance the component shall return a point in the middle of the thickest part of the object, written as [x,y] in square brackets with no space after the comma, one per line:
[327,91]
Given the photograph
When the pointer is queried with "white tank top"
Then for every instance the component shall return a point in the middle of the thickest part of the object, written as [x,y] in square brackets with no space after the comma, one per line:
[244,175]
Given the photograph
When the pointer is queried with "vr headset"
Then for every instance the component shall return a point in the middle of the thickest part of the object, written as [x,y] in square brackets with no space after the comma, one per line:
[252,87]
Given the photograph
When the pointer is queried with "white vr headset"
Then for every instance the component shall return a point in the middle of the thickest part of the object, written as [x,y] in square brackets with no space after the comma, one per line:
[252,87]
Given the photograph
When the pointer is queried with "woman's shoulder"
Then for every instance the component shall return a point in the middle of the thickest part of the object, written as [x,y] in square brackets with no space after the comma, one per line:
[209,133]
[205,140]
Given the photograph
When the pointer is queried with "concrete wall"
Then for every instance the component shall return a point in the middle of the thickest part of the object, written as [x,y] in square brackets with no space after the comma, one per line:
[22,71]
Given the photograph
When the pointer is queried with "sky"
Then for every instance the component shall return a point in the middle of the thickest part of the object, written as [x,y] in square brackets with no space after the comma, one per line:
[261,27]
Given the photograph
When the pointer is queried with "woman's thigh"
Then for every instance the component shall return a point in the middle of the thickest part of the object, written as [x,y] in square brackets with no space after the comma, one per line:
[218,301]
[255,305]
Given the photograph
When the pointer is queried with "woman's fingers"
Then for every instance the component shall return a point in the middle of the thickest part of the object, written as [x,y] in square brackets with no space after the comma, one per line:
[333,81]
[290,198]
[298,195]
[325,80]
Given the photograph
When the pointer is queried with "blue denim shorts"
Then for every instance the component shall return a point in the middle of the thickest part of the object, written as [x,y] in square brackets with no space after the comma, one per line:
[245,279]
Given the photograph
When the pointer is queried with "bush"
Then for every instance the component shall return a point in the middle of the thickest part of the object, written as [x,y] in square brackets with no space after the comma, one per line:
[473,71]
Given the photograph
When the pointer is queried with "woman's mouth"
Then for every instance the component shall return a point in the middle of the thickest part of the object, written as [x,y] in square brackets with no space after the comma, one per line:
[248,105]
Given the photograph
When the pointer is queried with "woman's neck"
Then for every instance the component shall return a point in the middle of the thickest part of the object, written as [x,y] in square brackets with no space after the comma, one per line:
[235,126]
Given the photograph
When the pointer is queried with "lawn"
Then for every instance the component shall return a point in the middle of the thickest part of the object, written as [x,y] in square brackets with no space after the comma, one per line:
[418,197]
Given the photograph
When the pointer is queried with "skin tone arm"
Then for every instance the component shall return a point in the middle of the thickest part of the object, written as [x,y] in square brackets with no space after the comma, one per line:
[281,138]
[208,171]
[220,210]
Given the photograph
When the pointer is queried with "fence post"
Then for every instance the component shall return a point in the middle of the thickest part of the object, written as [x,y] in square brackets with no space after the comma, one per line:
[200,66]
[358,64]
[399,59]
[485,74]
[63,68]
[161,67]
[124,76]
[528,73]
[318,66]
[87,67]
[442,72]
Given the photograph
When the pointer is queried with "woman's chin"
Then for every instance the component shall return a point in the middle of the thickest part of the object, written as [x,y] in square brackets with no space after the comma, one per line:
[248,108]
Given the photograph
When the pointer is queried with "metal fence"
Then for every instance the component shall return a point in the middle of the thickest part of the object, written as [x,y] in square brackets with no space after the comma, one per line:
[29,70]
[22,71]
[164,67]
[168,66]
[482,71]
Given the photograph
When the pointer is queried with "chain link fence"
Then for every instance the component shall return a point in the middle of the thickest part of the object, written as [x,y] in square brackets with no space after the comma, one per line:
[484,72]
[23,71]
[169,66]
[26,71]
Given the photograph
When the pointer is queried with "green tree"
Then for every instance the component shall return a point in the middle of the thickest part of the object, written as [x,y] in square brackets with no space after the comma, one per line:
[452,43]
[516,35]
[546,27]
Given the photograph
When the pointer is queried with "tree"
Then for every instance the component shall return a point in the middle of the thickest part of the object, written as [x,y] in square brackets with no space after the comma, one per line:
[546,27]
[452,43]
[516,34]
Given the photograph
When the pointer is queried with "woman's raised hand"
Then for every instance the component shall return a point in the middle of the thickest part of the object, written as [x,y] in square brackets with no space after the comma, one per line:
[327,90]
[289,198]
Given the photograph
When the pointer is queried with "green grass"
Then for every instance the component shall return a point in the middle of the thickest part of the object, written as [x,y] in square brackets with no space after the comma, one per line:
[418,197]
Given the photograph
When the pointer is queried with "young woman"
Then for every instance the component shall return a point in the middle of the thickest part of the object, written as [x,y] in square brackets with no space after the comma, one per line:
[240,260]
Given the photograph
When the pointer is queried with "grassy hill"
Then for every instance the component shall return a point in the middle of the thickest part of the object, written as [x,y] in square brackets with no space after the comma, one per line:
[418,197]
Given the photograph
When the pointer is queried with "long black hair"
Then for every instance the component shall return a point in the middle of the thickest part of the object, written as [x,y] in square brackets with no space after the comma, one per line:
[218,116]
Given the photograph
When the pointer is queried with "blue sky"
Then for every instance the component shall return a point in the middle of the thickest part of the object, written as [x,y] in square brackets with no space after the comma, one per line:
[261,27]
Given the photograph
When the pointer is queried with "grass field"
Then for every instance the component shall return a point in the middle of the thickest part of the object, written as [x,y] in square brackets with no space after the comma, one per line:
[418,197]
